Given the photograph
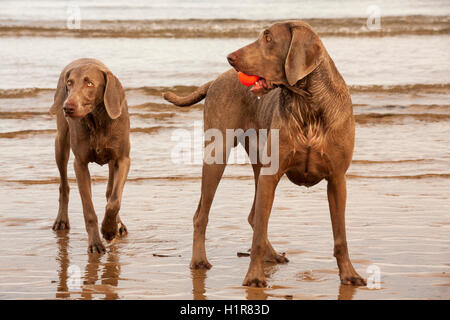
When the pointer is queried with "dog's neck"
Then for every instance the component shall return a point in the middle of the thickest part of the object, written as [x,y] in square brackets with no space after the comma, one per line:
[320,97]
[97,119]
[99,126]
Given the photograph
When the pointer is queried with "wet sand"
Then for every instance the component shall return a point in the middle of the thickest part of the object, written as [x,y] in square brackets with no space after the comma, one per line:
[391,224]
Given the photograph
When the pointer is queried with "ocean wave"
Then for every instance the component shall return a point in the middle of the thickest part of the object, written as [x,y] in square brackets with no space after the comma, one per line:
[25,133]
[402,177]
[33,132]
[25,115]
[149,130]
[401,161]
[22,92]
[361,119]
[157,91]
[17,93]
[440,88]
[223,28]
[367,118]
[104,179]
[443,88]
[22,114]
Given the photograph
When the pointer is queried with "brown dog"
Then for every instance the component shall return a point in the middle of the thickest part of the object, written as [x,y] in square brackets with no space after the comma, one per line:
[92,119]
[303,98]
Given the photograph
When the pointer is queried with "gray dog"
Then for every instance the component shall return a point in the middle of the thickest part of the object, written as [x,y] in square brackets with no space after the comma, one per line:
[304,98]
[92,119]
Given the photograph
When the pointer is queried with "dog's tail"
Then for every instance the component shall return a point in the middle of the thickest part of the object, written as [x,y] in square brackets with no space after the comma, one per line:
[188,100]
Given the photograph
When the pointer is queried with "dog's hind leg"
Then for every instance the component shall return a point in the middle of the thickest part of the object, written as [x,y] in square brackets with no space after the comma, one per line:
[211,175]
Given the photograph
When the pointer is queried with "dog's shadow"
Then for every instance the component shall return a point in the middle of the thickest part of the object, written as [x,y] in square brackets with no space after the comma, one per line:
[72,284]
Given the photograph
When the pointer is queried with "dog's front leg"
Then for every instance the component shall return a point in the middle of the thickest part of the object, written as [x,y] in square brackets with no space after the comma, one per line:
[337,196]
[90,218]
[62,152]
[264,199]
[111,220]
[111,165]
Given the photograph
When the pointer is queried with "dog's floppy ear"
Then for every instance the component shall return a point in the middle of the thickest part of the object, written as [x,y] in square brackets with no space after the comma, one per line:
[114,96]
[60,93]
[304,55]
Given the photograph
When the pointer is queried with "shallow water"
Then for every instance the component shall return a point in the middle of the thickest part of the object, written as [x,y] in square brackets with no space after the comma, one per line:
[398,209]
[398,225]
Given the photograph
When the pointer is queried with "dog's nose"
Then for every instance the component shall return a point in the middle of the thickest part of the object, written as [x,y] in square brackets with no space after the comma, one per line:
[232,58]
[69,108]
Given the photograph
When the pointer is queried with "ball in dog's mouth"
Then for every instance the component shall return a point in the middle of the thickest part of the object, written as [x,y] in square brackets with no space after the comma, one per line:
[246,79]
[259,85]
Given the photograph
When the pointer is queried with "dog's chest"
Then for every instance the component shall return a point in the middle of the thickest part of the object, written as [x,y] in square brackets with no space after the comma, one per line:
[101,141]
[101,150]
[307,131]
[308,167]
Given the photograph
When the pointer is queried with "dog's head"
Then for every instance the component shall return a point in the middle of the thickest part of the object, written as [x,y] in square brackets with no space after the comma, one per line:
[283,54]
[83,88]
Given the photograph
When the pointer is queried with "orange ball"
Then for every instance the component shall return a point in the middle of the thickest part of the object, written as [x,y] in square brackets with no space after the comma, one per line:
[247,80]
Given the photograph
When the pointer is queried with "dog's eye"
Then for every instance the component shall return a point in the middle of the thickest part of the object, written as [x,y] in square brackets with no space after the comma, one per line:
[90,84]
[268,38]
[69,82]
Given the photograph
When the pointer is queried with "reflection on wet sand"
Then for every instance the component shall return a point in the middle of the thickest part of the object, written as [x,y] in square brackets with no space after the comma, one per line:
[199,291]
[346,292]
[109,277]
[64,262]
[256,294]
[89,289]
[198,284]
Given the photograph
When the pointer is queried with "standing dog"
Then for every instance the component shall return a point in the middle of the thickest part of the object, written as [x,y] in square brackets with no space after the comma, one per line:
[304,98]
[92,119]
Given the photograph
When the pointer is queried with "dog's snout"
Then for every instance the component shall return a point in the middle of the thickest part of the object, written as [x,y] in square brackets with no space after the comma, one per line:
[232,58]
[69,108]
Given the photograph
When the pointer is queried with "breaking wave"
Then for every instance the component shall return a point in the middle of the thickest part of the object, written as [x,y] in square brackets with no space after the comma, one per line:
[223,28]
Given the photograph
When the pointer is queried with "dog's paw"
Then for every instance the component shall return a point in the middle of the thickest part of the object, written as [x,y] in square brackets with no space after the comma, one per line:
[353,279]
[123,231]
[96,247]
[200,264]
[61,224]
[255,279]
[276,257]
[109,235]
[109,230]
[254,282]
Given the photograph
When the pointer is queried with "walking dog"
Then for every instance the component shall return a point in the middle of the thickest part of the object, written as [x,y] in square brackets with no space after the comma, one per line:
[92,119]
